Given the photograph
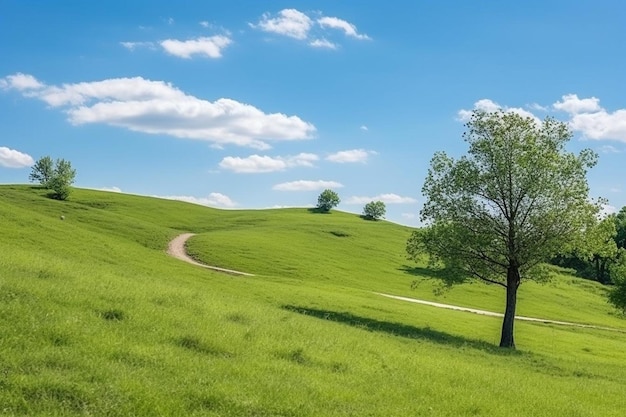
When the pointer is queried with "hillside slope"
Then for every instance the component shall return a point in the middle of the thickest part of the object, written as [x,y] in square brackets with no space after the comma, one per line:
[96,319]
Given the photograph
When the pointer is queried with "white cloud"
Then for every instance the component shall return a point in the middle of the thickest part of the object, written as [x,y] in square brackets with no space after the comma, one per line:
[170,20]
[539,107]
[20,82]
[205,24]
[111,189]
[353,155]
[261,164]
[573,105]
[385,198]
[304,185]
[609,149]
[10,158]
[601,125]
[298,25]
[157,107]
[279,206]
[323,43]
[593,121]
[409,215]
[364,128]
[491,106]
[213,200]
[348,28]
[289,22]
[209,46]
[131,46]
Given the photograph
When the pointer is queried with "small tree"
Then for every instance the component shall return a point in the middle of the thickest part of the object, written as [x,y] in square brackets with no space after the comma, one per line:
[374,210]
[512,203]
[58,177]
[327,200]
[42,171]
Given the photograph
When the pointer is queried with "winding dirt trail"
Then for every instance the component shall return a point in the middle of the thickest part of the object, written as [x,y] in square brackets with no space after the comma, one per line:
[176,249]
[492,314]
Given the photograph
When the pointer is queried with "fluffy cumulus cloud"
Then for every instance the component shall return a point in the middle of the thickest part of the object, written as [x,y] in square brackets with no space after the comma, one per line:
[385,198]
[288,22]
[298,25]
[261,164]
[20,82]
[490,106]
[305,185]
[348,28]
[157,107]
[205,46]
[350,156]
[571,104]
[592,120]
[10,158]
[213,200]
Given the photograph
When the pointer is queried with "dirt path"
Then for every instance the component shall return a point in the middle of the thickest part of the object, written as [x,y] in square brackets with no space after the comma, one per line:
[176,248]
[491,313]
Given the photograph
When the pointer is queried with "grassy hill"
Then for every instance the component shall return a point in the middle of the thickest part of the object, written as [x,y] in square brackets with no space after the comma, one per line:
[95,319]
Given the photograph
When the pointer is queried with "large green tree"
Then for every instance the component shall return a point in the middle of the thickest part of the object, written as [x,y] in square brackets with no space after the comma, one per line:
[513,202]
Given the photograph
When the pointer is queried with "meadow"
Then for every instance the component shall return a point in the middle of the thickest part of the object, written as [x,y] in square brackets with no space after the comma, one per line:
[97,320]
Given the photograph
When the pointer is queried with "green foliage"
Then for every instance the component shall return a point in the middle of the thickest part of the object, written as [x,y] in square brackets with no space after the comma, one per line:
[593,252]
[620,227]
[57,178]
[512,203]
[327,200]
[42,172]
[617,294]
[374,210]
[415,246]
[62,179]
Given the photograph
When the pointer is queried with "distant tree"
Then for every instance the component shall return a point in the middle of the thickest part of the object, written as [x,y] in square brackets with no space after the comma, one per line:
[57,176]
[598,248]
[374,210]
[617,294]
[508,206]
[42,171]
[327,200]
[620,228]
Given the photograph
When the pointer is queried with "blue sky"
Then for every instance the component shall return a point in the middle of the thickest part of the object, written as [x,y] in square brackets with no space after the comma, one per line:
[250,104]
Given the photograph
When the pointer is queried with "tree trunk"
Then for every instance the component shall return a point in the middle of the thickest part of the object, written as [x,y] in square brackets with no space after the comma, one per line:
[512,283]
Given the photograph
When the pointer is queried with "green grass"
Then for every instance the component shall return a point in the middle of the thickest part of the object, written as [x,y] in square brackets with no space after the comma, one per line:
[96,319]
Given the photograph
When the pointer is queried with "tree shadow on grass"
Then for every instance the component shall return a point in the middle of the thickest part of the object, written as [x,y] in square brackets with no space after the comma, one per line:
[368,218]
[317,210]
[402,330]
[423,272]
